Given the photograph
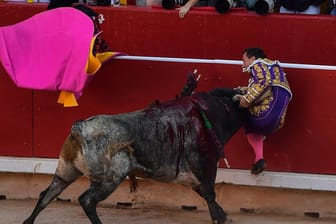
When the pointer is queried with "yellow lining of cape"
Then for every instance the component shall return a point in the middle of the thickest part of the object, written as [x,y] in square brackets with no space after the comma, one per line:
[93,64]
[67,98]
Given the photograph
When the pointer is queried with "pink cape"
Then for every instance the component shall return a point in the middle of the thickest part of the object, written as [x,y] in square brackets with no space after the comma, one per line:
[49,51]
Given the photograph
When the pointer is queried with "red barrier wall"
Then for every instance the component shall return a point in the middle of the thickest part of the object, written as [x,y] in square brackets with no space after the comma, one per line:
[33,124]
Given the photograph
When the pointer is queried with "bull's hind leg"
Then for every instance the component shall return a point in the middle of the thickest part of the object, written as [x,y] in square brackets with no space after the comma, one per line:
[66,174]
[97,192]
[107,177]
[55,188]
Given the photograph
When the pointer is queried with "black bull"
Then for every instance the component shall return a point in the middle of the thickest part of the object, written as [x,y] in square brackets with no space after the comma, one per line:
[167,142]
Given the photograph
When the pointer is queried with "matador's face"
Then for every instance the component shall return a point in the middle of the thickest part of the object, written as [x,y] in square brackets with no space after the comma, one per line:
[247,62]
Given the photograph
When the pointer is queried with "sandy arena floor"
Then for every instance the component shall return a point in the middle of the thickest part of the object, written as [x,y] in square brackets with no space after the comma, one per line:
[58,212]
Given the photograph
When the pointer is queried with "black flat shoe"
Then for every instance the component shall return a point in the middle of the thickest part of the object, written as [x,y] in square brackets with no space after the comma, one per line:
[258,167]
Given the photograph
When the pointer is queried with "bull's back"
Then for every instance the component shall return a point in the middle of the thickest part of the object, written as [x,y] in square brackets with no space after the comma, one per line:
[158,133]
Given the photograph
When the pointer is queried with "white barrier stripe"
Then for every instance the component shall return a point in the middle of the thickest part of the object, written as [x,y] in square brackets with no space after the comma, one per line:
[183,60]
[220,61]
[27,165]
[308,66]
[303,181]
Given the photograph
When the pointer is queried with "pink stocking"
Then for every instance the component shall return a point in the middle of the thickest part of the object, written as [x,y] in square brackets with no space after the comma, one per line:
[256,141]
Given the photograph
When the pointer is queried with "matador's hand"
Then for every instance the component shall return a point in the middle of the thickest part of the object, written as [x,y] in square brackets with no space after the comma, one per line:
[243,103]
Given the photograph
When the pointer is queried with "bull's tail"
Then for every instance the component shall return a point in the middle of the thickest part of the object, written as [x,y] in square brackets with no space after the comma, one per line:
[76,128]
[70,161]
[71,164]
